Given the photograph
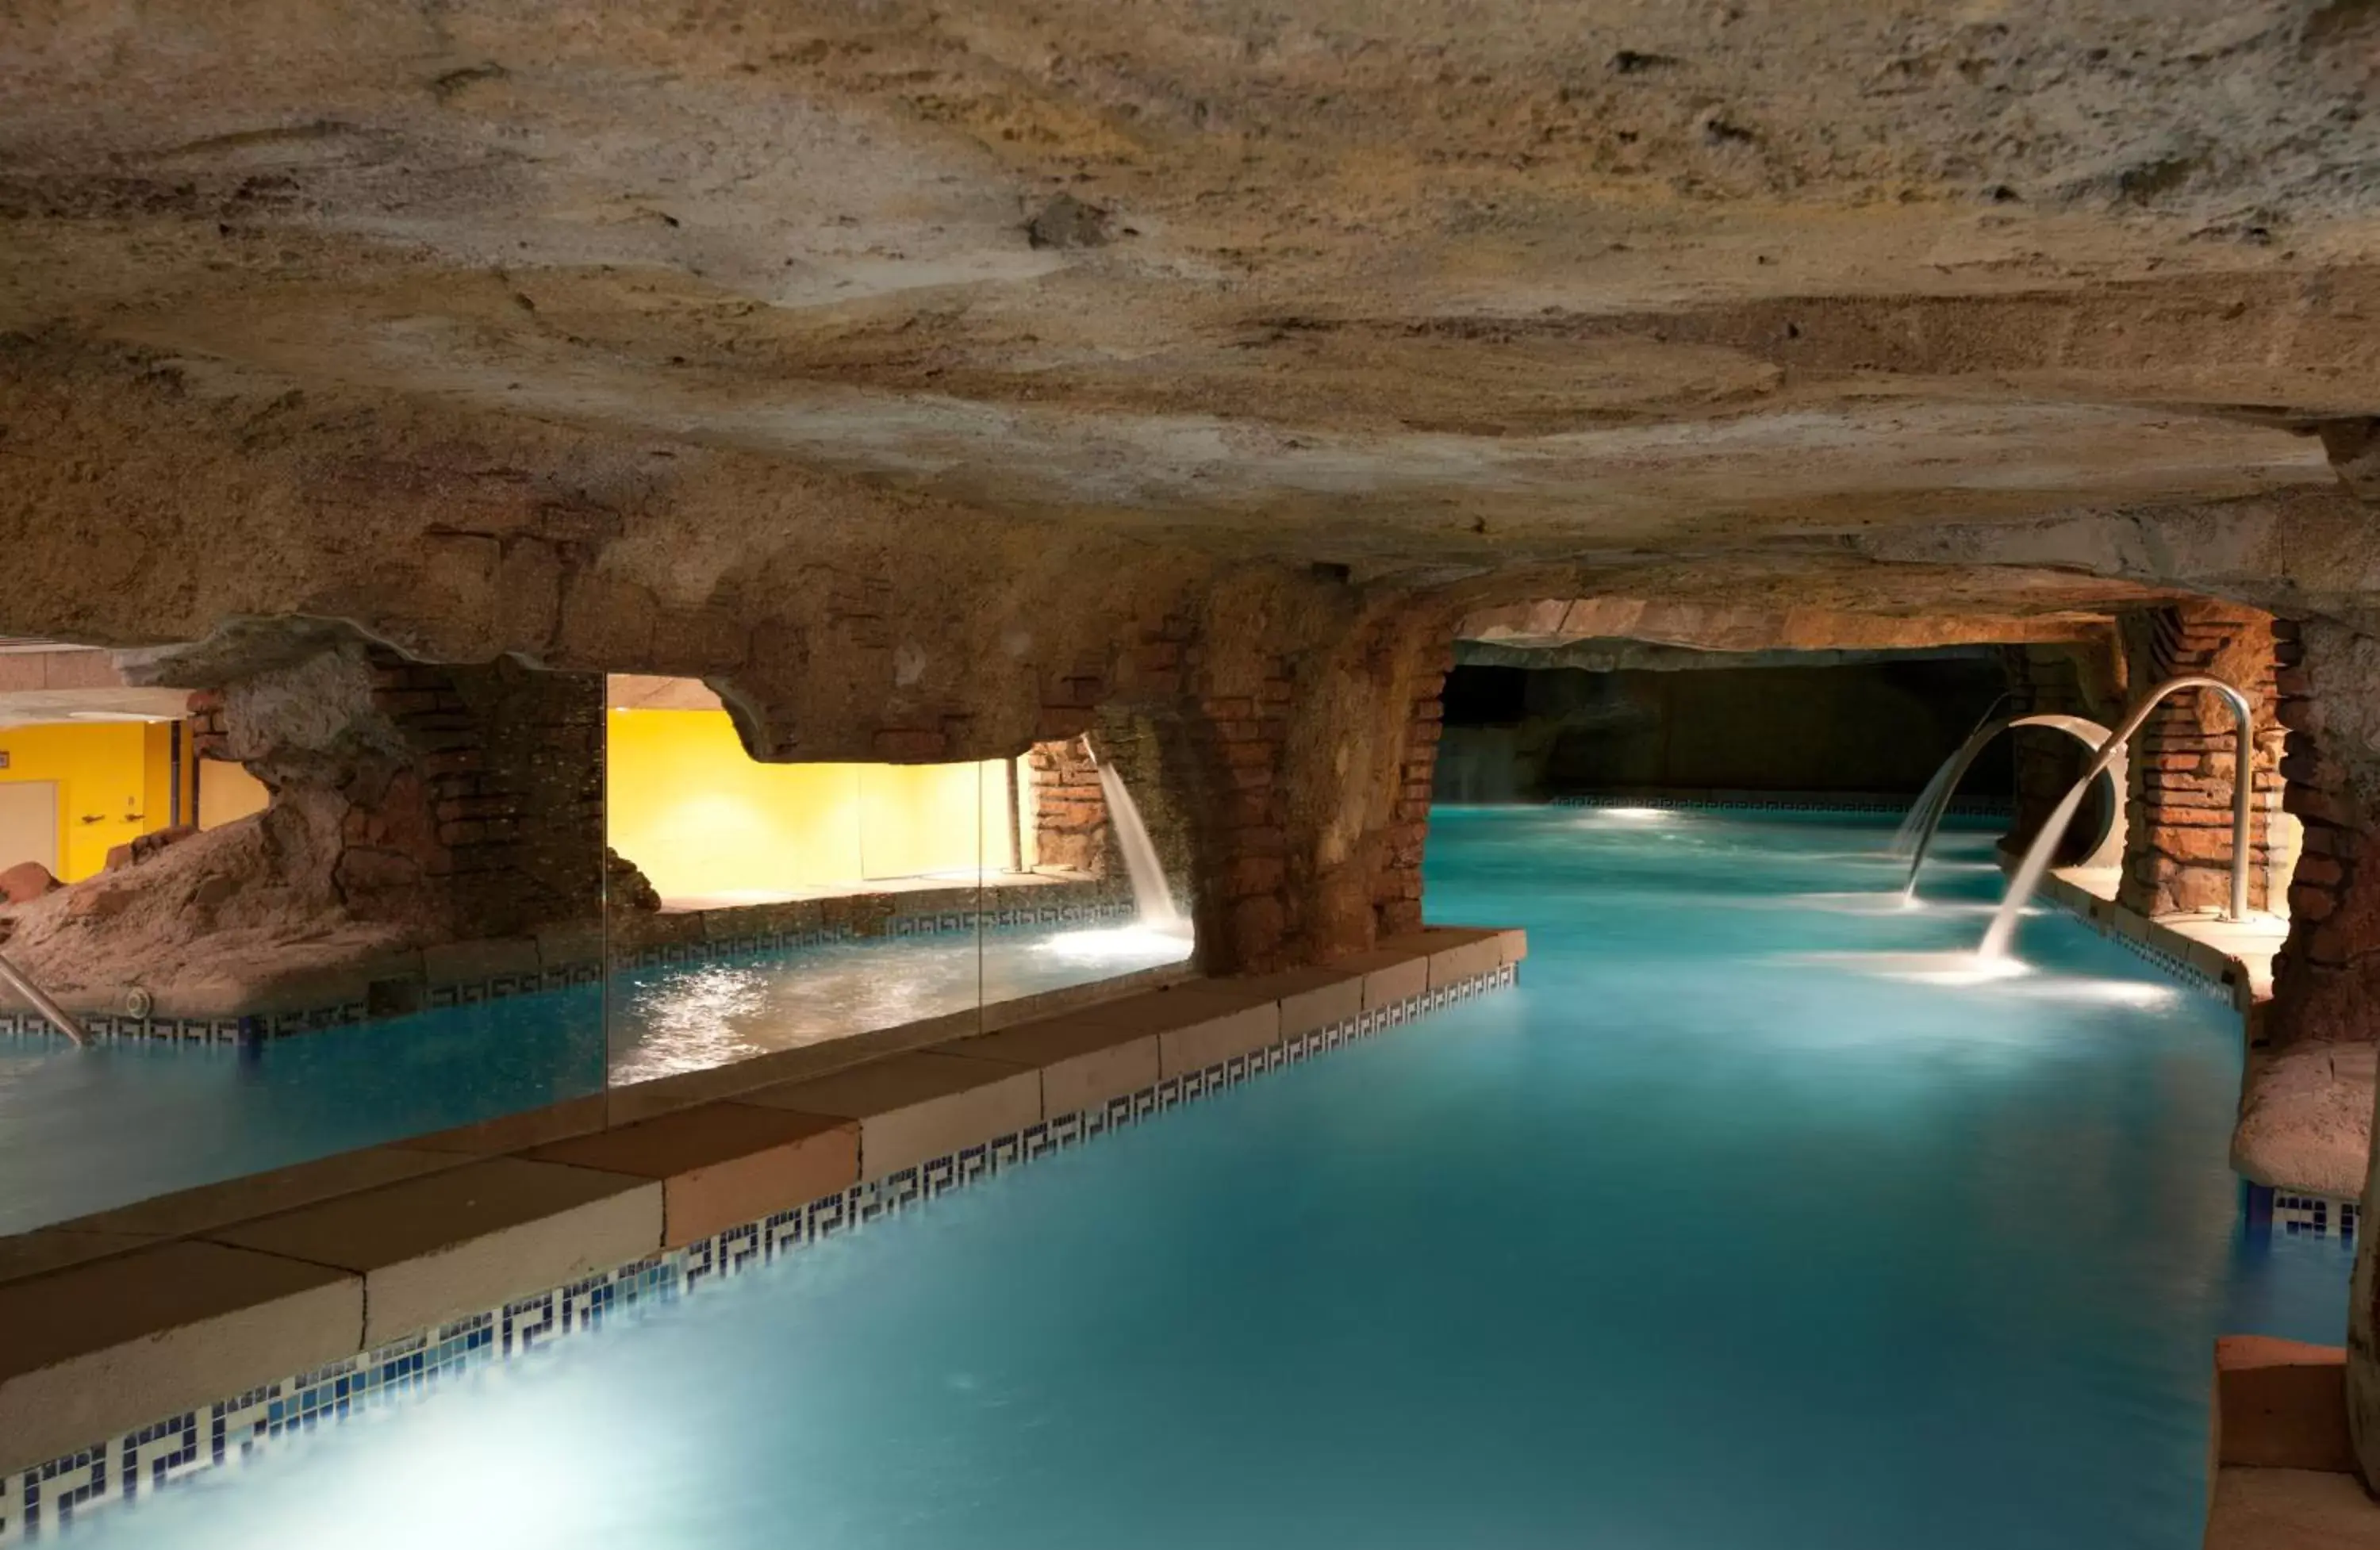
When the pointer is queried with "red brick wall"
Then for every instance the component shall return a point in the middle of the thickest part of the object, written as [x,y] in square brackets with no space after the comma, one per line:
[1396,896]
[2178,851]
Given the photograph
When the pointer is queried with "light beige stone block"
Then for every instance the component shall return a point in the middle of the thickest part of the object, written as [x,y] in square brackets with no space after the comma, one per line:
[1511,946]
[435,1248]
[1084,1058]
[1329,997]
[1399,979]
[118,1342]
[917,1105]
[1451,966]
[721,1163]
[1199,1045]
[1099,1075]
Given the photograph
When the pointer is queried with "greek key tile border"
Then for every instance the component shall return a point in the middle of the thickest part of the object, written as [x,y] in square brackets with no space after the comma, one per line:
[48,1498]
[2187,973]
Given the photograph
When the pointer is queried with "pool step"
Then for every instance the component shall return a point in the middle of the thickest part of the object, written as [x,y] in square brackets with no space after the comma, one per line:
[2282,1470]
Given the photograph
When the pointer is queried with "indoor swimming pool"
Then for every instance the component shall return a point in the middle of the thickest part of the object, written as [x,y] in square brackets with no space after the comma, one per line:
[1736,1225]
[86,1129]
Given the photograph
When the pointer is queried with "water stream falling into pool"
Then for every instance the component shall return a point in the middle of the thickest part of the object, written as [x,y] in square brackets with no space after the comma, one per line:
[1151,898]
[1920,815]
[1995,949]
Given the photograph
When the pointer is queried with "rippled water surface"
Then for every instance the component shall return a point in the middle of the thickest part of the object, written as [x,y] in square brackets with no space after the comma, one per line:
[1737,1227]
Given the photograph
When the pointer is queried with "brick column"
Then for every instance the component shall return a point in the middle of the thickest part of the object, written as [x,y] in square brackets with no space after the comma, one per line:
[1247,918]
[1070,812]
[2178,844]
[1396,895]
[2061,681]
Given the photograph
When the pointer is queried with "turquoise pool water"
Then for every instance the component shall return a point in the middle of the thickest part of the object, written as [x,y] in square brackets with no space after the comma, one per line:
[1715,1235]
[85,1130]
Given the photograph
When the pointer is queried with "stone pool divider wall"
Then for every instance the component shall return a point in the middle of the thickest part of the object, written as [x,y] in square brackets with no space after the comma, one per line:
[153,1343]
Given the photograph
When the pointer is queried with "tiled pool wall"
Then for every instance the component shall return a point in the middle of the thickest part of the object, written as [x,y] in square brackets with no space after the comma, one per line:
[561,976]
[45,1499]
[2300,1216]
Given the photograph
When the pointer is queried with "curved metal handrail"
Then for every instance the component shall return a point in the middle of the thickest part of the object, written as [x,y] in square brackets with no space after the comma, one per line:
[61,1019]
[2090,733]
[2242,775]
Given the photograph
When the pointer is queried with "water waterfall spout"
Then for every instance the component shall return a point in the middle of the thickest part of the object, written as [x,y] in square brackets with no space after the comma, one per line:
[1918,823]
[1933,804]
[2027,874]
[2045,845]
[1152,900]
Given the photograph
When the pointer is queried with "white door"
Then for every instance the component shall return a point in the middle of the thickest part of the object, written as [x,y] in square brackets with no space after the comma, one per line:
[28,823]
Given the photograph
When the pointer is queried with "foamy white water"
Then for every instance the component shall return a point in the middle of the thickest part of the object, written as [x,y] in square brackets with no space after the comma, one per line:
[1152,900]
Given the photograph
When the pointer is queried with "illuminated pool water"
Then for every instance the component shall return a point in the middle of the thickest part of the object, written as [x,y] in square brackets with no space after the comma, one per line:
[86,1129]
[1714,1233]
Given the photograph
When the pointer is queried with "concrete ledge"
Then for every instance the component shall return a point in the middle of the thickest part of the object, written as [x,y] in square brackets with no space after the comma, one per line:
[96,1349]
[1483,953]
[1084,1058]
[915,1106]
[721,1163]
[515,1132]
[1312,998]
[435,1248]
[57,1248]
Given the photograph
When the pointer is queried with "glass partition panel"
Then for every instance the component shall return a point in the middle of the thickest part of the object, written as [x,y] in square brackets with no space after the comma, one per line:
[1085,884]
[327,898]
[781,906]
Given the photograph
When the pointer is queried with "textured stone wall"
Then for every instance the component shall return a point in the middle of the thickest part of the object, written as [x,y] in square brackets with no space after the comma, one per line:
[2327,976]
[412,807]
[2177,847]
[468,797]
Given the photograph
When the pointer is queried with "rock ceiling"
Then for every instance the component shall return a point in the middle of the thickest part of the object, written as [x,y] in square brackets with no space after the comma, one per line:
[1900,304]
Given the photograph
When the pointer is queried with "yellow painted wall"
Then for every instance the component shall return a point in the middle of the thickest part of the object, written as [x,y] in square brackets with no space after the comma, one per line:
[685,804]
[114,782]
[227,792]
